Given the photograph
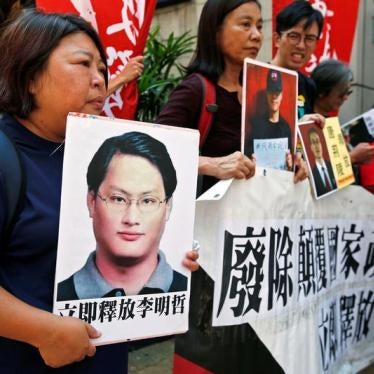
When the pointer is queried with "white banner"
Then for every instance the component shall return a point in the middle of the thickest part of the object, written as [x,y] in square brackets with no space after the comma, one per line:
[300,271]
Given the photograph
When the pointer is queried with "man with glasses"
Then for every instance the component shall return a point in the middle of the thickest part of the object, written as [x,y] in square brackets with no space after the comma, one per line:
[131,180]
[298,28]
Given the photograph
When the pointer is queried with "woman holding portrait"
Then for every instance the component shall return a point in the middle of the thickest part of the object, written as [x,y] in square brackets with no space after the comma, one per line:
[51,64]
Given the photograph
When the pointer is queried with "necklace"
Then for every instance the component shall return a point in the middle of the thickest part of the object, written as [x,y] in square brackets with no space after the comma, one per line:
[57,148]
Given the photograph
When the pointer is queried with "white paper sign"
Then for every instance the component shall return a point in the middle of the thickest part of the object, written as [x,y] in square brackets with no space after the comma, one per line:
[126,223]
[271,153]
[369,121]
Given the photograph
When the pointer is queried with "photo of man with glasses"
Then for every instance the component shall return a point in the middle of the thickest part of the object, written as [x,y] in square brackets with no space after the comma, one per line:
[323,175]
[298,28]
[131,180]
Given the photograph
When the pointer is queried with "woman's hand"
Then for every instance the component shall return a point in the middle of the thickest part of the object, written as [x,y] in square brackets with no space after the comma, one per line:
[317,118]
[301,168]
[363,153]
[289,161]
[190,261]
[235,165]
[60,340]
[132,70]
[67,342]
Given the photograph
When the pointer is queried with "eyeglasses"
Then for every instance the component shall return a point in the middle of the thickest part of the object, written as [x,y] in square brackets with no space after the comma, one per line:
[315,141]
[295,38]
[118,203]
[346,93]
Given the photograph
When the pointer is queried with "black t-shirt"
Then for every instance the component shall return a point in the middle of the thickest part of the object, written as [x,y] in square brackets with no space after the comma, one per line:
[306,95]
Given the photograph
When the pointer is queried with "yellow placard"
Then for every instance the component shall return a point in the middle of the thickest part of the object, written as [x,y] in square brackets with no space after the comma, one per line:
[338,152]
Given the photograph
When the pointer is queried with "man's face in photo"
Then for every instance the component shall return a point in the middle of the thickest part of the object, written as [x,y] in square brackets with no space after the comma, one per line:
[274,100]
[129,213]
[316,146]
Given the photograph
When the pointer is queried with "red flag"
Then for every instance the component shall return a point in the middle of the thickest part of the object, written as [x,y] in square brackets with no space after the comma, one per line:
[338,30]
[123,28]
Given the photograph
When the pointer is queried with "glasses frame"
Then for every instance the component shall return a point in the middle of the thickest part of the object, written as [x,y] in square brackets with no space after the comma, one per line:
[127,205]
[346,93]
[295,38]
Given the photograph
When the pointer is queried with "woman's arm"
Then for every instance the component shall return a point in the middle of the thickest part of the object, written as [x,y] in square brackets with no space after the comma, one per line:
[182,109]
[363,153]
[235,165]
[132,70]
[60,340]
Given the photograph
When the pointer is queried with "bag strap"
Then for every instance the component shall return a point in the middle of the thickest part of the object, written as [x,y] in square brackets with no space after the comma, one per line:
[13,177]
[208,107]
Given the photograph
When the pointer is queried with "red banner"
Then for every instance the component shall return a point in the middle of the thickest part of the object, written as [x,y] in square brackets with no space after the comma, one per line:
[123,28]
[338,32]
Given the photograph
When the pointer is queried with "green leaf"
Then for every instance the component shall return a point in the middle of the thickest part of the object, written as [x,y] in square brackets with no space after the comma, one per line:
[162,71]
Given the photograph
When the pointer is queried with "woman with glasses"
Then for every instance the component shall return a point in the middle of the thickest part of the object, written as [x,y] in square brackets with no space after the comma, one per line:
[333,80]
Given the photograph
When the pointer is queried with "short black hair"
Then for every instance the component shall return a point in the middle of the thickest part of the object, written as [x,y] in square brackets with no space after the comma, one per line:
[295,12]
[26,44]
[208,59]
[136,144]
[329,73]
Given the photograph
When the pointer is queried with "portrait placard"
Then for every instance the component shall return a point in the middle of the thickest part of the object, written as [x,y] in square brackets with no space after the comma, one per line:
[126,224]
[269,114]
[327,156]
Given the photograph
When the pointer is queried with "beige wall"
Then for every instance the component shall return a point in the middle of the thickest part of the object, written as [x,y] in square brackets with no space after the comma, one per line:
[183,17]
[362,60]
[179,18]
